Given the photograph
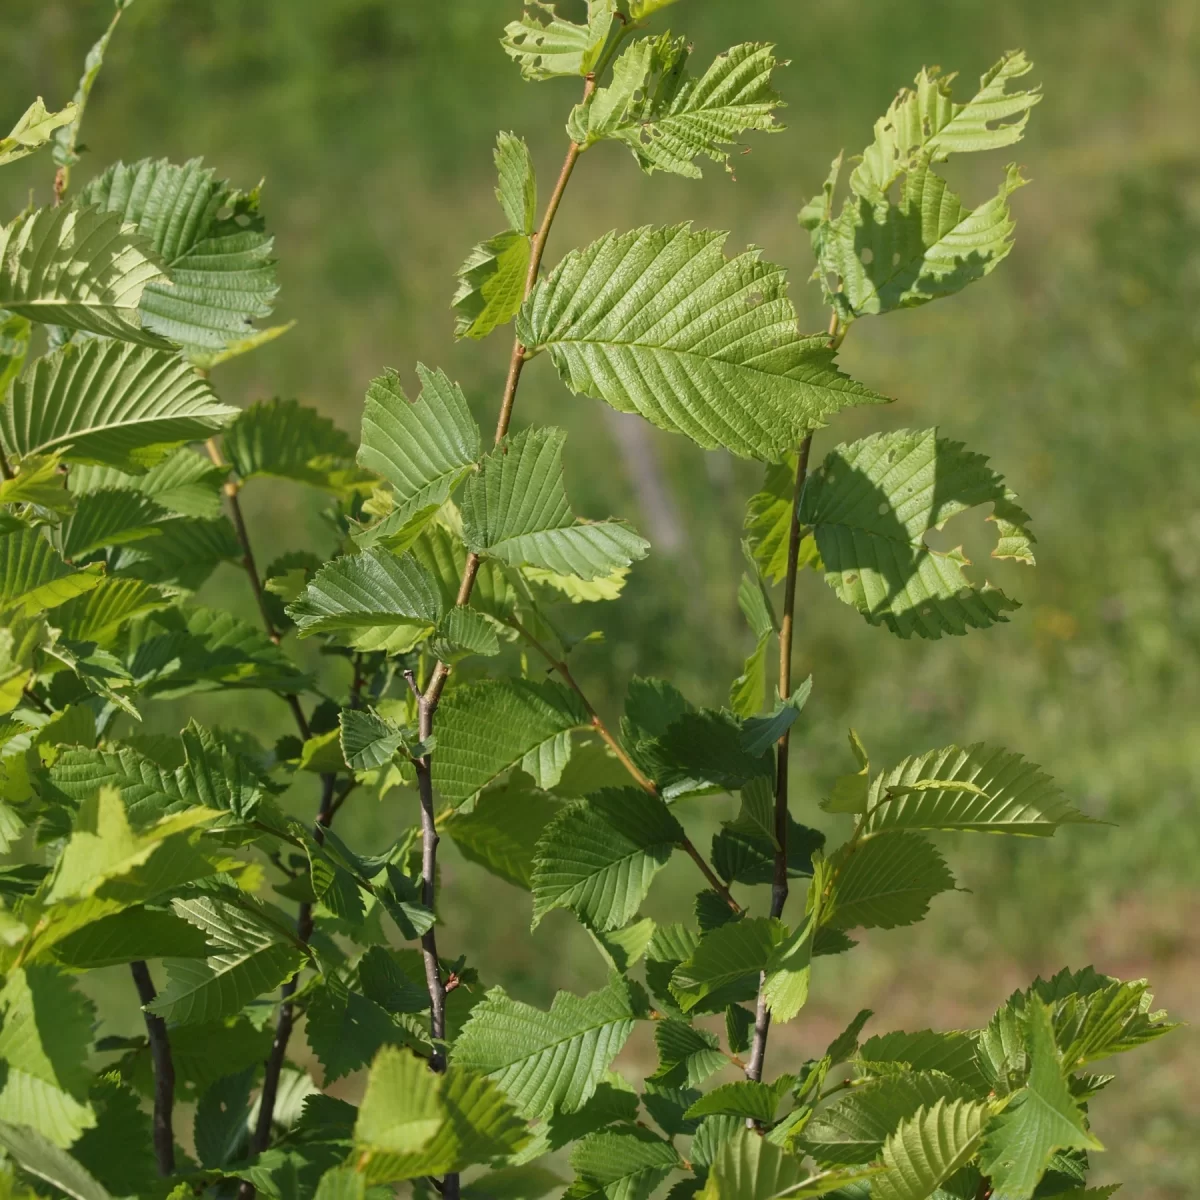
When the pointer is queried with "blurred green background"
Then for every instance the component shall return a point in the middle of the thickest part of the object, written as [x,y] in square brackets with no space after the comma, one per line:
[1076,367]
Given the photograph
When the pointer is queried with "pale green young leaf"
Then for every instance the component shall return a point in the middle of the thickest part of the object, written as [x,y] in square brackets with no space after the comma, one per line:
[768,522]
[516,510]
[80,268]
[47,1028]
[686,1056]
[502,830]
[485,729]
[423,449]
[599,856]
[212,240]
[33,577]
[108,518]
[368,740]
[885,881]
[927,121]
[185,483]
[640,9]
[491,284]
[401,1109]
[287,440]
[250,958]
[927,246]
[659,322]
[38,480]
[34,128]
[1038,1121]
[854,1129]
[669,118]
[341,1183]
[544,1060]
[748,692]
[928,1147]
[103,401]
[724,967]
[444,556]
[375,599]
[620,1164]
[789,969]
[622,948]
[851,793]
[575,589]
[872,502]
[517,187]
[46,1160]
[41,1109]
[1001,793]
[545,45]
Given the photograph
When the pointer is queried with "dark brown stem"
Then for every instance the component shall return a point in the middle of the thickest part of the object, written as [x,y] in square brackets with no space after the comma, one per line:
[429,845]
[779,881]
[261,1138]
[635,773]
[5,470]
[37,701]
[164,1071]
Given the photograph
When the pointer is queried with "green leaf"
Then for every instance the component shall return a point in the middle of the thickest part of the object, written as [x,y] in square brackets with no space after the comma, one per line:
[516,510]
[658,321]
[14,346]
[872,502]
[80,268]
[251,959]
[743,853]
[44,1159]
[502,830]
[928,1147]
[760,734]
[119,1149]
[885,881]
[185,483]
[725,965]
[287,440]
[855,1128]
[555,1059]
[513,1183]
[109,518]
[463,632]
[620,1164]
[345,1029]
[686,1056]
[34,578]
[745,1098]
[669,118]
[34,128]
[103,401]
[99,615]
[517,188]
[851,793]
[423,449]
[444,556]
[748,1167]
[789,969]
[599,856]
[702,751]
[1039,1120]
[998,792]
[136,933]
[341,1183]
[927,122]
[950,1053]
[487,728]
[621,948]
[211,238]
[491,284]
[928,246]
[368,740]
[375,599]
[545,45]
[38,480]
[477,1124]
[185,553]
[768,523]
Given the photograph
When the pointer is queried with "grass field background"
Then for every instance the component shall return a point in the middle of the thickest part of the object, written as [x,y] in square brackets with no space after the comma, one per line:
[1076,367]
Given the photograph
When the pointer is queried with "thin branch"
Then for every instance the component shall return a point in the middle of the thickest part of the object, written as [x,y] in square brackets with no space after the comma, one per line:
[37,701]
[638,776]
[5,470]
[779,881]
[164,1071]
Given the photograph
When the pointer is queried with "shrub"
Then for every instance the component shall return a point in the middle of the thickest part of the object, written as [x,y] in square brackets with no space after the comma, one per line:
[445,684]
